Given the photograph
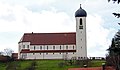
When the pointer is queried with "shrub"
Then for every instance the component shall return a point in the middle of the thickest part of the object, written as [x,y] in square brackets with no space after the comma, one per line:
[61,64]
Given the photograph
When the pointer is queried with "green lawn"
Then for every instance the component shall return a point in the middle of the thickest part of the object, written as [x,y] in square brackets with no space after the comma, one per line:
[96,63]
[45,64]
[2,66]
[22,65]
[52,65]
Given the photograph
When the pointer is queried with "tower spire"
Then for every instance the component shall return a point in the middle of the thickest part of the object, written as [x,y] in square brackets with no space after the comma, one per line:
[80,6]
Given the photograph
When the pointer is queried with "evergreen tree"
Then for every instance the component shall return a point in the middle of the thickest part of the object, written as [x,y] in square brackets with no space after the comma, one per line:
[114,52]
[113,57]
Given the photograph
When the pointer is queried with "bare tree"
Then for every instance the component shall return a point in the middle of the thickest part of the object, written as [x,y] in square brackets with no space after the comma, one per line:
[1,53]
[8,52]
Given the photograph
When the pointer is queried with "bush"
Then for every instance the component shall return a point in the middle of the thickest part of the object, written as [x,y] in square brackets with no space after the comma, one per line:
[32,66]
[61,64]
[93,58]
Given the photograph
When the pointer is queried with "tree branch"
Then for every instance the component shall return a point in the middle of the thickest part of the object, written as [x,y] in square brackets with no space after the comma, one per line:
[118,1]
[116,15]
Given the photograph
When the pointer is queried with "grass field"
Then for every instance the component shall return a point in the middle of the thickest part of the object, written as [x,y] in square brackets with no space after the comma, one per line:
[52,65]
[96,63]
[2,66]
[44,65]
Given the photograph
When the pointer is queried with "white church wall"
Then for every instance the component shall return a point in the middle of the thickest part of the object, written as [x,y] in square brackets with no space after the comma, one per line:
[69,55]
[52,47]
[22,45]
[71,47]
[53,56]
[50,55]
[45,55]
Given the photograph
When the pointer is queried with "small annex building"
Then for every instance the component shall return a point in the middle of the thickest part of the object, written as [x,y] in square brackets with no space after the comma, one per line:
[56,45]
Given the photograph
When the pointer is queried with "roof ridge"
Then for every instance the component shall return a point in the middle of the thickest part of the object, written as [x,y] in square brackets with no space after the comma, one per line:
[52,33]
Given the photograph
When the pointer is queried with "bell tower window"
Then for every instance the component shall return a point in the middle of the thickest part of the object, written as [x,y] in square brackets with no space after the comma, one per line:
[81,24]
[80,21]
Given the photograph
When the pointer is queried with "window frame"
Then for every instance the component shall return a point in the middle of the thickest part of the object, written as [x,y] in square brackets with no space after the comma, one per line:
[66,47]
[60,47]
[28,46]
[40,47]
[54,47]
[34,47]
[23,46]
[47,47]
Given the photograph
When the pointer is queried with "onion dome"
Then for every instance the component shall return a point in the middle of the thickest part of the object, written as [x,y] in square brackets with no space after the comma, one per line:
[80,12]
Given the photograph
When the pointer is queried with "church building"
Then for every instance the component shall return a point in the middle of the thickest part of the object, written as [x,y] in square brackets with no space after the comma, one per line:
[56,45]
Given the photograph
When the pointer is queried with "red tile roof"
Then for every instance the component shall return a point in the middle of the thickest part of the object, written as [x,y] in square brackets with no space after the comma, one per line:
[49,38]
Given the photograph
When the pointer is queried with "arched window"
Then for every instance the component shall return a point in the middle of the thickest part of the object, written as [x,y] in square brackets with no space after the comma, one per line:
[81,24]
[80,21]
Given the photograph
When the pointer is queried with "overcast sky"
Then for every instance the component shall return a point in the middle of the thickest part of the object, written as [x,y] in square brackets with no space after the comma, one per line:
[42,16]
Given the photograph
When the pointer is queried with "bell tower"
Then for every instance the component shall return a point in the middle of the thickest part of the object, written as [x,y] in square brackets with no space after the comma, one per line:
[81,42]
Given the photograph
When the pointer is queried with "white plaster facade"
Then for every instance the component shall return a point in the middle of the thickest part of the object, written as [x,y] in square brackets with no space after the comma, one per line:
[46,55]
[81,43]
